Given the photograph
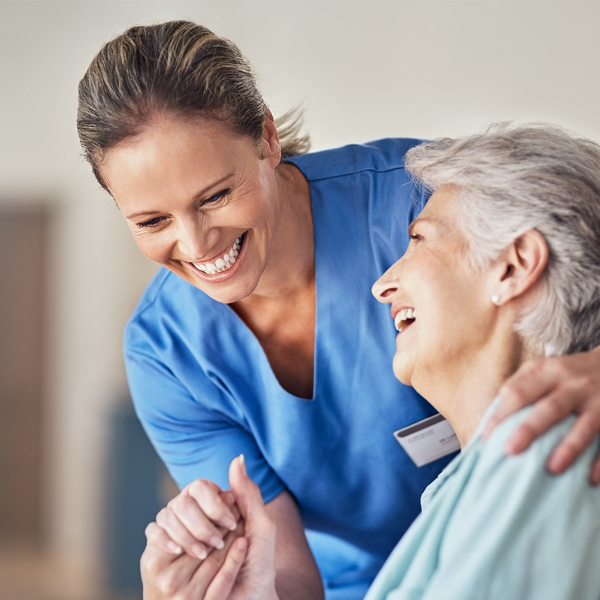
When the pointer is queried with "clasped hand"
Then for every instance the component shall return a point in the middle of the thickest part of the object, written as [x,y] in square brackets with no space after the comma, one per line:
[210,544]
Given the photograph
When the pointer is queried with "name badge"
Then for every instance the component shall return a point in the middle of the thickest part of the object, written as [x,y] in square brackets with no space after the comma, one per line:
[428,440]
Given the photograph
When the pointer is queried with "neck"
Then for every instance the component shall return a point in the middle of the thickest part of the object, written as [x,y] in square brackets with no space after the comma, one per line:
[291,264]
[466,391]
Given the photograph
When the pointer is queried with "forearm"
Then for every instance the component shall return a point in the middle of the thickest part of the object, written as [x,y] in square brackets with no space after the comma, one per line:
[290,584]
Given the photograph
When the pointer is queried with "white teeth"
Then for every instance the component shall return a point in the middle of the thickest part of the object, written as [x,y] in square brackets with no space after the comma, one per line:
[222,263]
[402,316]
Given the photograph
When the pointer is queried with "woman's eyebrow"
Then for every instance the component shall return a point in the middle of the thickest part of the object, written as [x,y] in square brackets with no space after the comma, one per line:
[428,220]
[195,197]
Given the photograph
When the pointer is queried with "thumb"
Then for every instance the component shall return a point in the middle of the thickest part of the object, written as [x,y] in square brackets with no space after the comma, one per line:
[247,493]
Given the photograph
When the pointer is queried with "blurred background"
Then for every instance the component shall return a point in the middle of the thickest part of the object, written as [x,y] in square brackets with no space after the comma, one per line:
[78,481]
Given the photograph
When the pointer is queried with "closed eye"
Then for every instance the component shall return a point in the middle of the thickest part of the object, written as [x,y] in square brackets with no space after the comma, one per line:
[416,237]
[215,197]
[151,222]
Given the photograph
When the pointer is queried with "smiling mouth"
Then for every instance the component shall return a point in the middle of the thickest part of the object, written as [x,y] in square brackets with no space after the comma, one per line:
[404,319]
[225,261]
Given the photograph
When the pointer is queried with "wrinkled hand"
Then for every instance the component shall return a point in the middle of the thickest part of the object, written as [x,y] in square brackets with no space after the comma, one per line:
[193,552]
[558,386]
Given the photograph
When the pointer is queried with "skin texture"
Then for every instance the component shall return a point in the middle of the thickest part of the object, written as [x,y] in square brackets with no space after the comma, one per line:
[461,345]
[187,190]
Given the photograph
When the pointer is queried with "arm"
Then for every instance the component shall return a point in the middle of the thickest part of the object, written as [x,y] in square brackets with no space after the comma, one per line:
[277,562]
[297,575]
[196,436]
[558,386]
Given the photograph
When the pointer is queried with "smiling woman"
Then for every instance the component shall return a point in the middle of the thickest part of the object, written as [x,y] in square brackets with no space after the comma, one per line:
[492,292]
[257,336]
[206,203]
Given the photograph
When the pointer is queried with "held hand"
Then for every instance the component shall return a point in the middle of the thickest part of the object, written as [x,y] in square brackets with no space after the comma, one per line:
[167,576]
[559,386]
[242,569]
[196,520]
[256,578]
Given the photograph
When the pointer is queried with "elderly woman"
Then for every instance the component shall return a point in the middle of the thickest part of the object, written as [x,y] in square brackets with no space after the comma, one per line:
[257,335]
[503,265]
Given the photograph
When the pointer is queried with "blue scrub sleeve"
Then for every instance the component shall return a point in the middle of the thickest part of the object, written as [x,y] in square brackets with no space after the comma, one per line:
[193,438]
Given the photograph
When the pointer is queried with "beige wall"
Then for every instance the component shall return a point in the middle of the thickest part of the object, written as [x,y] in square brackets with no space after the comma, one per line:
[363,69]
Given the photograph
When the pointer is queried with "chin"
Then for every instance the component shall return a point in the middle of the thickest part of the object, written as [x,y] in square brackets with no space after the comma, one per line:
[402,371]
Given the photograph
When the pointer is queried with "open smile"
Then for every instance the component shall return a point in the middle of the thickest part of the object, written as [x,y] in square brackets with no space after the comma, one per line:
[221,266]
[404,319]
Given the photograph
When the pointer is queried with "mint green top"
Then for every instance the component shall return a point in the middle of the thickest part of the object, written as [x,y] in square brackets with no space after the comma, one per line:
[500,527]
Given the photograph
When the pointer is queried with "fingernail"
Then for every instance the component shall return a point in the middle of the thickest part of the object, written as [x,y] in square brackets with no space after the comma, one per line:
[230,523]
[217,542]
[174,548]
[242,462]
[199,551]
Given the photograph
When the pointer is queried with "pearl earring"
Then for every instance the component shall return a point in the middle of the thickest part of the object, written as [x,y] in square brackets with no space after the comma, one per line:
[496,299]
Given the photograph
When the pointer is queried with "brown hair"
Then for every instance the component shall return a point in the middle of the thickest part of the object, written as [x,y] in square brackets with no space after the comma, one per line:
[176,67]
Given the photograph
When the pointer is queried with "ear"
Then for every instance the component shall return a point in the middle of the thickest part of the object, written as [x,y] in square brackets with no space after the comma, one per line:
[522,266]
[270,146]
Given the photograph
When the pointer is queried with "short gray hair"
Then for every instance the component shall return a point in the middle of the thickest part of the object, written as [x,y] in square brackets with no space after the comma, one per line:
[513,179]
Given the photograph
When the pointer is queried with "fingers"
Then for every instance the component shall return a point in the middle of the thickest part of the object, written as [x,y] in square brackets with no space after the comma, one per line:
[167,576]
[547,412]
[209,497]
[531,381]
[196,539]
[164,572]
[579,437]
[595,470]
[158,537]
[247,494]
[225,578]
[197,518]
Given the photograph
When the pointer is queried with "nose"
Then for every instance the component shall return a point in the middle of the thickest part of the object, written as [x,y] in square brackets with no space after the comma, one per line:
[385,287]
[191,239]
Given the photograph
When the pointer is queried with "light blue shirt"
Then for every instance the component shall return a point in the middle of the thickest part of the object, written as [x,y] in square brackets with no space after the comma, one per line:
[500,527]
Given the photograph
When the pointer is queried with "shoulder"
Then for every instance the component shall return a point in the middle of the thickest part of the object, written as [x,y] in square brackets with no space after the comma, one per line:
[378,156]
[524,476]
[165,302]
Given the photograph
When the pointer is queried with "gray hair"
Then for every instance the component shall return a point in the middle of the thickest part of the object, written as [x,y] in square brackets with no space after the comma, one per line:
[514,179]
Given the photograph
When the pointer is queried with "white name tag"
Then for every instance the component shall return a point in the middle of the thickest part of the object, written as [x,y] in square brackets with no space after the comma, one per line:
[428,440]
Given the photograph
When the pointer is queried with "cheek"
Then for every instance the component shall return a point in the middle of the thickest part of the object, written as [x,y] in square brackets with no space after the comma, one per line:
[153,248]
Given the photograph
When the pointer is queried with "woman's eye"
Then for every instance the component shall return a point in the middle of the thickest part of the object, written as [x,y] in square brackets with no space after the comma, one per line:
[416,237]
[150,222]
[215,197]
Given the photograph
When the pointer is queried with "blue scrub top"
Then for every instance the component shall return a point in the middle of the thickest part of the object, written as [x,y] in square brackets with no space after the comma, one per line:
[205,392]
